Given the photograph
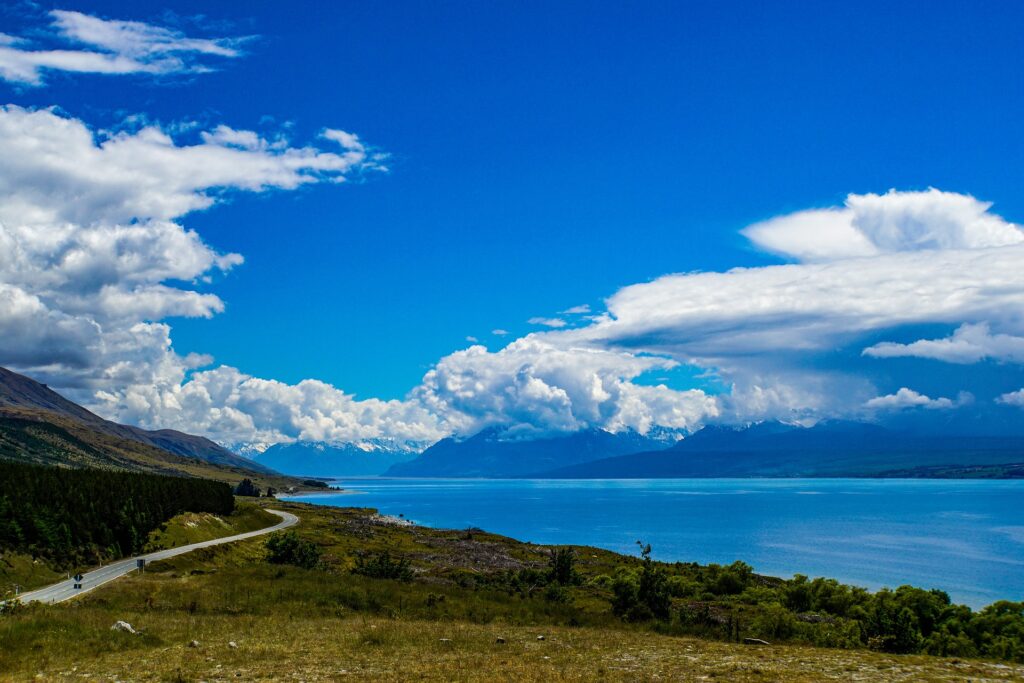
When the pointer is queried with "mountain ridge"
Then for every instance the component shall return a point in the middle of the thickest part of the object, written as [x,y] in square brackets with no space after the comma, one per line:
[39,425]
[323,459]
[827,449]
[489,453]
[22,392]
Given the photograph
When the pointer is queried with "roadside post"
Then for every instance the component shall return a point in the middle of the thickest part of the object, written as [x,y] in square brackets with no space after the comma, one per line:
[140,564]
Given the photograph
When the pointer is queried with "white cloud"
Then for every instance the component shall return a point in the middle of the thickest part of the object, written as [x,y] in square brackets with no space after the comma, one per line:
[93,258]
[547,322]
[968,344]
[499,332]
[471,339]
[908,398]
[873,224]
[538,388]
[541,387]
[108,47]
[233,407]
[770,332]
[577,310]
[804,307]
[90,246]
[1014,398]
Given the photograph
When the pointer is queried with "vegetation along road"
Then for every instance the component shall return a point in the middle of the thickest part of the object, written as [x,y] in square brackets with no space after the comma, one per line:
[65,590]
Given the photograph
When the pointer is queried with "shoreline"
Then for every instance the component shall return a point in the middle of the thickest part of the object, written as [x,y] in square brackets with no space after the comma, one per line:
[719,521]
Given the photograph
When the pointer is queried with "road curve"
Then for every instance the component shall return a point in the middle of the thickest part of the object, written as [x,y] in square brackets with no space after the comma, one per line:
[65,590]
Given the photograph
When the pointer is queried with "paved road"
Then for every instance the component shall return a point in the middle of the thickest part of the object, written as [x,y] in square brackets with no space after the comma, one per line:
[65,590]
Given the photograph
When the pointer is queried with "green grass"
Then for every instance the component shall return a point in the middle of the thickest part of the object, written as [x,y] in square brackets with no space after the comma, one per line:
[32,572]
[26,571]
[328,623]
[193,527]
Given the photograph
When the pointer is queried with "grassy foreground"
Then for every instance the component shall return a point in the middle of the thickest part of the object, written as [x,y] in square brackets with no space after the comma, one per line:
[327,623]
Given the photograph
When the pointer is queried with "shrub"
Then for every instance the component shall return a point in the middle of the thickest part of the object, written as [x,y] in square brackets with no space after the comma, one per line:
[562,567]
[638,596]
[285,547]
[382,566]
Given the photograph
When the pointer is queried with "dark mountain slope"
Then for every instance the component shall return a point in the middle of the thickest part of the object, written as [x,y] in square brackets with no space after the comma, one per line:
[21,392]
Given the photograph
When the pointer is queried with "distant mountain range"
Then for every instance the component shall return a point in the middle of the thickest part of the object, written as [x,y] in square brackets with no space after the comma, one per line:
[321,459]
[828,449]
[39,425]
[493,453]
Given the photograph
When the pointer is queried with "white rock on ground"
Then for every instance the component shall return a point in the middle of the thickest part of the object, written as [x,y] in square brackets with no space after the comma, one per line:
[122,626]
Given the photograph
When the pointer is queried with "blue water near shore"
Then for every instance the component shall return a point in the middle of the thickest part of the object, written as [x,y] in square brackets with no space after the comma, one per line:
[964,537]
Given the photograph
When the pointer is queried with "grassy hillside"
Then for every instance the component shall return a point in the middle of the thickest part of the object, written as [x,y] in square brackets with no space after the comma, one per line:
[193,527]
[46,438]
[18,392]
[440,619]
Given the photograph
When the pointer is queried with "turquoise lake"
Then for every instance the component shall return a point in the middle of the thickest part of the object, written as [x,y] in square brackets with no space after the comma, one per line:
[964,537]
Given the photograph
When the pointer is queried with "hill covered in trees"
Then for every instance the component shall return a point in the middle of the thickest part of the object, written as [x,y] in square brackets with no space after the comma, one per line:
[72,517]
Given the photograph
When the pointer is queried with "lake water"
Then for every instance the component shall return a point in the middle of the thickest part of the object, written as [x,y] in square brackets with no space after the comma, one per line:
[965,537]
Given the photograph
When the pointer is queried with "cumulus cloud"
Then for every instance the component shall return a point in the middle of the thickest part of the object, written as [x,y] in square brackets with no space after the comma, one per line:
[908,398]
[233,407]
[968,344]
[538,388]
[541,387]
[82,43]
[92,255]
[94,258]
[577,310]
[1013,398]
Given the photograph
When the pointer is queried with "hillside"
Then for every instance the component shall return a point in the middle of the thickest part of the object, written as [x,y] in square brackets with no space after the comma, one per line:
[320,459]
[21,392]
[491,453]
[828,449]
[38,425]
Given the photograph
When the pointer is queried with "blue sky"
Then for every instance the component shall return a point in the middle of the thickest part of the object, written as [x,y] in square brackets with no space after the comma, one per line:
[543,156]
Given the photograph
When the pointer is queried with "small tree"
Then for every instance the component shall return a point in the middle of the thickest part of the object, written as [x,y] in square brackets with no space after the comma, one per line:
[653,590]
[381,566]
[642,595]
[562,567]
[285,547]
[247,488]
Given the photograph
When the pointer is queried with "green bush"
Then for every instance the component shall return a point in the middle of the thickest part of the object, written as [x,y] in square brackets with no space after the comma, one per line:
[643,595]
[285,547]
[382,566]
